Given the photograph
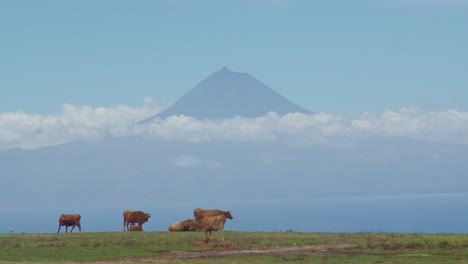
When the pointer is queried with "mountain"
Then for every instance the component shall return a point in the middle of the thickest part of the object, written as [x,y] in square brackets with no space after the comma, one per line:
[226,94]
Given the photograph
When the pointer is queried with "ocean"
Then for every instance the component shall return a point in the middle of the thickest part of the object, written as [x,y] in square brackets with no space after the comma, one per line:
[439,213]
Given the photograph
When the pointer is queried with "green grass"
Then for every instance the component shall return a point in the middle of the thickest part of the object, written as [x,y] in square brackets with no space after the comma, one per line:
[87,246]
[366,247]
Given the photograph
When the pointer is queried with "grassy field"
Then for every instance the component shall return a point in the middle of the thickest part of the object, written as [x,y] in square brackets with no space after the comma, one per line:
[249,247]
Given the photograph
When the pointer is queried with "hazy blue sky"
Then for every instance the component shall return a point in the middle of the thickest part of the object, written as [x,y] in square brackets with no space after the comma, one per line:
[328,56]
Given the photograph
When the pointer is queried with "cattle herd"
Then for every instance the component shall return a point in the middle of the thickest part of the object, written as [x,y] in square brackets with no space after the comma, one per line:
[204,221]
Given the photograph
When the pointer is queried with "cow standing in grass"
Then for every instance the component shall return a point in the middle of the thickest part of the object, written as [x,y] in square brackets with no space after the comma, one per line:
[210,223]
[69,220]
[135,217]
[210,220]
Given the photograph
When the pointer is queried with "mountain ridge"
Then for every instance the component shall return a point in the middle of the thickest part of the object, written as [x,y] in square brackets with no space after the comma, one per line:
[227,94]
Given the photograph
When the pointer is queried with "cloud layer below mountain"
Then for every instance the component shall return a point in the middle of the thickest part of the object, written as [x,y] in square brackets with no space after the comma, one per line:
[26,131]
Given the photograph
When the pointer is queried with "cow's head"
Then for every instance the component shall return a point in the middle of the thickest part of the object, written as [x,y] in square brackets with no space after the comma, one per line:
[228,214]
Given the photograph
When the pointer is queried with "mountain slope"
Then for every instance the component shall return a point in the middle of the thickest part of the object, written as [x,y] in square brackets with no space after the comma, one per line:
[226,94]
[105,172]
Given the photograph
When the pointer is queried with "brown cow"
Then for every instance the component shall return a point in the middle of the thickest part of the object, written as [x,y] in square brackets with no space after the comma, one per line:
[210,223]
[182,226]
[133,227]
[138,217]
[126,213]
[199,213]
[69,220]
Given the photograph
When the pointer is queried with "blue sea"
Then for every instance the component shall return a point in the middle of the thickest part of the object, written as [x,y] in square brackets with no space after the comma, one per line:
[442,213]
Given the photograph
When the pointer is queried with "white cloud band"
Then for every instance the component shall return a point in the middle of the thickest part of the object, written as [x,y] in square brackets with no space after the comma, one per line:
[20,130]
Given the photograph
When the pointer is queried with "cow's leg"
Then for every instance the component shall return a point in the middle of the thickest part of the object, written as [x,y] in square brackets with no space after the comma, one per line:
[59,229]
[73,227]
[124,225]
[221,230]
[66,229]
[79,227]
